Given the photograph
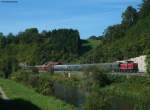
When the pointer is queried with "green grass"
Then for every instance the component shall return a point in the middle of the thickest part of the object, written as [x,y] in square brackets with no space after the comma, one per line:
[137,94]
[18,91]
[92,43]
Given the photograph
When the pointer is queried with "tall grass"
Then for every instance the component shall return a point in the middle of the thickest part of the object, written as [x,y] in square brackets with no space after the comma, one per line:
[17,91]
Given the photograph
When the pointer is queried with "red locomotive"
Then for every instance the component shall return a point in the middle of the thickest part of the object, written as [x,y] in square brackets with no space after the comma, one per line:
[128,66]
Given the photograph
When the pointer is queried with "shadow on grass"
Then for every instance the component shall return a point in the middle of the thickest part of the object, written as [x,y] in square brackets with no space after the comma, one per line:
[17,104]
[85,47]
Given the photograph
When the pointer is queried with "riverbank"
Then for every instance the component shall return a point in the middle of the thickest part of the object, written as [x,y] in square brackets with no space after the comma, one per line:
[131,93]
[95,89]
[18,91]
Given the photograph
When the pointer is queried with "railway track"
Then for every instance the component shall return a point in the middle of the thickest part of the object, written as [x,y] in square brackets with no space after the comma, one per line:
[131,74]
[113,73]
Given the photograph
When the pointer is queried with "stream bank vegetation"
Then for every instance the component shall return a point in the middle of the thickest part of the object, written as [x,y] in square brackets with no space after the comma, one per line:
[101,90]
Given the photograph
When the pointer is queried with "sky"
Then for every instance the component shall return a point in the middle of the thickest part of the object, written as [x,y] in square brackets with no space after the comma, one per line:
[89,17]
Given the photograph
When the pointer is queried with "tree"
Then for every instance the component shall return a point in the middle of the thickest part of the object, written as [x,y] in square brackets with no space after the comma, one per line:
[29,36]
[148,61]
[93,38]
[145,8]
[114,32]
[8,65]
[3,42]
[130,16]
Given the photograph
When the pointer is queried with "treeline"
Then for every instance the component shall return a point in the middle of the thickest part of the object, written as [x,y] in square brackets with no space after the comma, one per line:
[122,41]
[33,48]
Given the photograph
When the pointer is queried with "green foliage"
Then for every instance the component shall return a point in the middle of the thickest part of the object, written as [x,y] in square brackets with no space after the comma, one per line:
[148,63]
[43,85]
[8,65]
[18,91]
[94,38]
[133,90]
[32,47]
[126,40]
[35,70]
[21,76]
[1,74]
[130,16]
[120,41]
[29,36]
[97,101]
[114,32]
[145,7]
[95,78]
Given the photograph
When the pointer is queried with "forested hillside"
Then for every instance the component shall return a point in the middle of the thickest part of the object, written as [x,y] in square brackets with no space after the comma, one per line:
[128,39]
[33,47]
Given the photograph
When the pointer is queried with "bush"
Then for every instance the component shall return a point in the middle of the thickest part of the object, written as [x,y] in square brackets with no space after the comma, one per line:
[8,65]
[40,84]
[97,101]
[33,81]
[21,76]
[116,78]
[1,74]
[96,76]
[46,86]
[148,63]
[35,70]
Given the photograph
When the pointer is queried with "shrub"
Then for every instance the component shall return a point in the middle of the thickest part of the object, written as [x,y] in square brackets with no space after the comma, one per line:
[148,63]
[21,76]
[35,70]
[97,101]
[40,84]
[33,81]
[8,65]
[96,76]
[46,86]
[1,74]
[116,78]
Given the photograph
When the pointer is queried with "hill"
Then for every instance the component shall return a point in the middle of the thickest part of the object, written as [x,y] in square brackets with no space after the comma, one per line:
[33,47]
[120,41]
[125,40]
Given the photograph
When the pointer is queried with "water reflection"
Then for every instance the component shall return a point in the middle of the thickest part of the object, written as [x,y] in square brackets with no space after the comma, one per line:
[76,97]
[121,104]
[70,94]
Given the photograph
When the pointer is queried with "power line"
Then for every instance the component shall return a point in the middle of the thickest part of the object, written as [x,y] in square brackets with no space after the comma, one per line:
[9,1]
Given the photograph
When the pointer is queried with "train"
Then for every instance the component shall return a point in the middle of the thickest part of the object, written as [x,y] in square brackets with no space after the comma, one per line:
[127,66]
[123,67]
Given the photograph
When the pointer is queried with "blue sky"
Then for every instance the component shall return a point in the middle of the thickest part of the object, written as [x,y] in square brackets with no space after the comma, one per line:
[90,17]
